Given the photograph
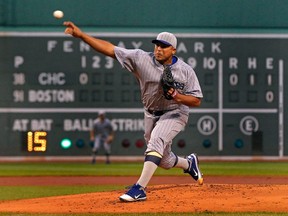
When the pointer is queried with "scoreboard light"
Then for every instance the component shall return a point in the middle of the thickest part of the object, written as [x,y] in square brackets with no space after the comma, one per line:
[139,143]
[125,143]
[181,143]
[66,143]
[80,143]
[207,143]
[239,143]
[36,141]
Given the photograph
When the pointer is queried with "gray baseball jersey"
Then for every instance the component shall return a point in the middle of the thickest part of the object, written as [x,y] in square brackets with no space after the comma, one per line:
[101,131]
[148,72]
[160,129]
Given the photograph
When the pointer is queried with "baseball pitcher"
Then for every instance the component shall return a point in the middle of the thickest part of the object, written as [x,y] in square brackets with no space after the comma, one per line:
[169,87]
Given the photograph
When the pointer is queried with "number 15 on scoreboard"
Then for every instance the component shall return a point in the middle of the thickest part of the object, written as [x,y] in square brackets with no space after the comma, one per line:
[36,141]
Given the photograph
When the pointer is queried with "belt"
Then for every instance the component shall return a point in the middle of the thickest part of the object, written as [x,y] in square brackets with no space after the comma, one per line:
[157,113]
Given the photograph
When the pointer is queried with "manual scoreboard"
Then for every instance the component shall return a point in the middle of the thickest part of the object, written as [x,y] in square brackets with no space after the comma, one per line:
[53,85]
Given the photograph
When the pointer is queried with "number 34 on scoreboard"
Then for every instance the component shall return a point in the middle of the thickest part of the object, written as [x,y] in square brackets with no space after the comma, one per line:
[35,141]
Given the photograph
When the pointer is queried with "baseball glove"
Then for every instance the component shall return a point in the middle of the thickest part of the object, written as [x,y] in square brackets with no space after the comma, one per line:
[167,82]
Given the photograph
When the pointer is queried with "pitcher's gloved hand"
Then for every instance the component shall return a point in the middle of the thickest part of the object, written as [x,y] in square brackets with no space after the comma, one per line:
[167,83]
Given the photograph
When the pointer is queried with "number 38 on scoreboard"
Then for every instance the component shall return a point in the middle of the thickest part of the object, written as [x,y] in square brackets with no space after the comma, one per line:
[35,141]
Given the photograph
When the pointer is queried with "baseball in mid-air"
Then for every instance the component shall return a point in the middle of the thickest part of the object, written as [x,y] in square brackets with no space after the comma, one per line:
[58,14]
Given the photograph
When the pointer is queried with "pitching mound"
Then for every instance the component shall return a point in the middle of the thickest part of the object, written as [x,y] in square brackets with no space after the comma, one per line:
[165,198]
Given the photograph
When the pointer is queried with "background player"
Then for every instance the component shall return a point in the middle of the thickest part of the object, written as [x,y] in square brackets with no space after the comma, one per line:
[164,118]
[101,134]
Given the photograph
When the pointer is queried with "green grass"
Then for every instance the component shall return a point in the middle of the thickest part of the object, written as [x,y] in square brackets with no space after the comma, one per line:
[27,192]
[69,169]
[116,169]
[246,168]
[134,169]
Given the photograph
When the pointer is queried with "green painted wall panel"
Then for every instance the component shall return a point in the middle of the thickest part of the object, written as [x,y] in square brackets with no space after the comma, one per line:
[149,14]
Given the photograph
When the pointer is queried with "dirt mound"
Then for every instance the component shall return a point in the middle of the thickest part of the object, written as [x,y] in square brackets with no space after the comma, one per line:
[165,198]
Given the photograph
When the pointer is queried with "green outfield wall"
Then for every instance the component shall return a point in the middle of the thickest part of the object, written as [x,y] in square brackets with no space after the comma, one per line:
[149,14]
[53,85]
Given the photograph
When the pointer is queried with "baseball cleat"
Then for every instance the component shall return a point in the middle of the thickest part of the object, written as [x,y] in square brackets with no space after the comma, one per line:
[193,168]
[135,193]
